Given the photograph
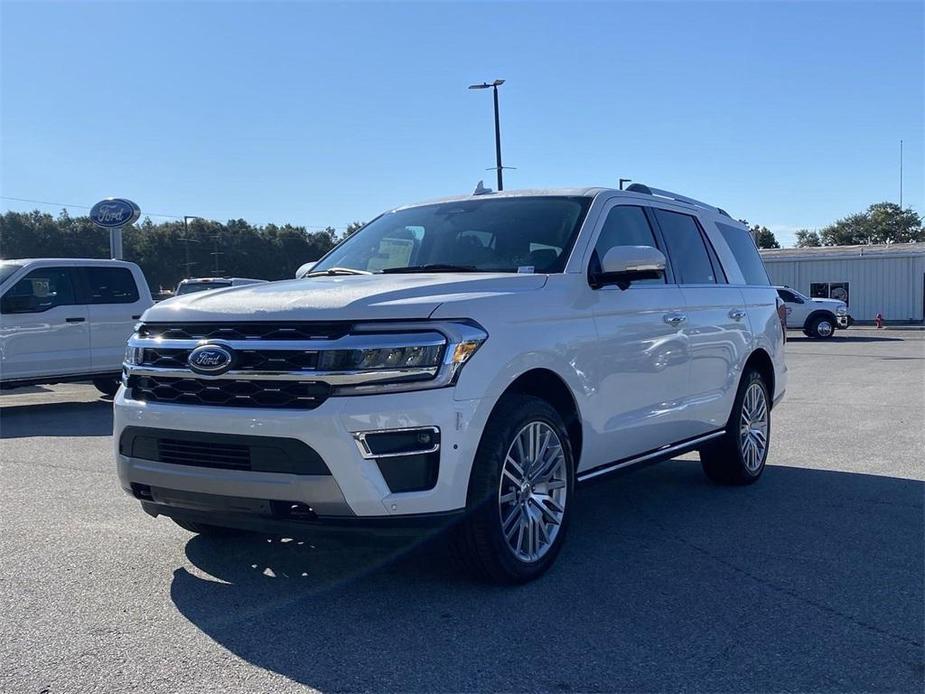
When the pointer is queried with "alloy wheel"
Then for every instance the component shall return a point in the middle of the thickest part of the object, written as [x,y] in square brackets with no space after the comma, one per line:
[532,491]
[753,427]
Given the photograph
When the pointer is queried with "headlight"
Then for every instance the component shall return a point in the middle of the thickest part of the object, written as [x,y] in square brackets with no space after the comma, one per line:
[133,355]
[841,311]
[409,360]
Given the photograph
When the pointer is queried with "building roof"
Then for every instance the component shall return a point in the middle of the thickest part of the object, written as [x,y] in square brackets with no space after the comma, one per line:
[891,250]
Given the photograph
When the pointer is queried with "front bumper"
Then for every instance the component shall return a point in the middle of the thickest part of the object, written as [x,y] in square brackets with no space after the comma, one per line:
[844,321]
[355,493]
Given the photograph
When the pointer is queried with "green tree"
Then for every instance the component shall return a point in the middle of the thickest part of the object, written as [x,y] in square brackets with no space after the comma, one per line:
[352,228]
[882,222]
[807,239]
[271,252]
[764,237]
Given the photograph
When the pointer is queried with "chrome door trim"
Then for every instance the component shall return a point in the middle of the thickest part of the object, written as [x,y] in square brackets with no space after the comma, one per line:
[667,450]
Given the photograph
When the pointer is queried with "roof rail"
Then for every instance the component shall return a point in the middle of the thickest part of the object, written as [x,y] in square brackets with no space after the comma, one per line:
[640,188]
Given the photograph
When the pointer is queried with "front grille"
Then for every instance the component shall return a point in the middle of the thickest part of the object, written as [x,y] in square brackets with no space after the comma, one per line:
[223,451]
[204,454]
[245,331]
[305,395]
[245,359]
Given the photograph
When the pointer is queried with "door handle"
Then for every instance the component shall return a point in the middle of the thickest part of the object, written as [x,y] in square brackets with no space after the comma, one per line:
[75,320]
[674,319]
[136,317]
[737,314]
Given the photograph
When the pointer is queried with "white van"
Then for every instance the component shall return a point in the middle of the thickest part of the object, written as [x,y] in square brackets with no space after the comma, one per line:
[67,319]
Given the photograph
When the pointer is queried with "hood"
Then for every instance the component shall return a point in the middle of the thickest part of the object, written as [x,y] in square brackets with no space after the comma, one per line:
[341,297]
[829,302]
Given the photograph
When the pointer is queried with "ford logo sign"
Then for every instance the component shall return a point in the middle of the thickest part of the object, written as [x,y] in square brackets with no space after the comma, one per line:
[211,360]
[112,213]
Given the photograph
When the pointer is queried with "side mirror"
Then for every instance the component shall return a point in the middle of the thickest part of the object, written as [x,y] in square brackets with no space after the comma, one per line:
[621,265]
[305,269]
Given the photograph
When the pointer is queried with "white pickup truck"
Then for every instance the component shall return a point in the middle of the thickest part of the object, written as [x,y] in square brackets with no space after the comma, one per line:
[817,318]
[67,319]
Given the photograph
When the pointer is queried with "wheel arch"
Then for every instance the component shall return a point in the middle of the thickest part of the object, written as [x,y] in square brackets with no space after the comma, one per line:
[819,313]
[547,385]
[761,361]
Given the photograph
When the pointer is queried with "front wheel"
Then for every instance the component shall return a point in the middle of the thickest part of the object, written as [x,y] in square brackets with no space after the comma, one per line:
[520,493]
[739,456]
[822,328]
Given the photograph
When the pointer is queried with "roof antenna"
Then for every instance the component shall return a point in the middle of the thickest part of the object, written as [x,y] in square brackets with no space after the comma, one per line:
[480,189]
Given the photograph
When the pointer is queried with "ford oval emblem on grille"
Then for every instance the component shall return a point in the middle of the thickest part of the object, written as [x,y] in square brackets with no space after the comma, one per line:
[210,359]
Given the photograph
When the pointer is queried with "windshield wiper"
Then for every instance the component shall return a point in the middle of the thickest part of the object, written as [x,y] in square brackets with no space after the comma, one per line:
[338,271]
[432,267]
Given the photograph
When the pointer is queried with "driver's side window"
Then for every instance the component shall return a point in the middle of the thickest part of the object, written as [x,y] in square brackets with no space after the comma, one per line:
[626,225]
[39,291]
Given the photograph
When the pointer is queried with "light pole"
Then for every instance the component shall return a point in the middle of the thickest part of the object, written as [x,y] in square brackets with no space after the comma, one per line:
[494,86]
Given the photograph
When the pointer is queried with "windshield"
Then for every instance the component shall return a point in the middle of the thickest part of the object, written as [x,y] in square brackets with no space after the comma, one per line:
[527,234]
[200,287]
[7,269]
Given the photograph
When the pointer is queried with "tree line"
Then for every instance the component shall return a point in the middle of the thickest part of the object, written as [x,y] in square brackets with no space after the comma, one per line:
[170,251]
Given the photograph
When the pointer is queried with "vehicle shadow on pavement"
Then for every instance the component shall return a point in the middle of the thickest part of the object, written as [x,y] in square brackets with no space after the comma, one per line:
[57,419]
[809,580]
[845,338]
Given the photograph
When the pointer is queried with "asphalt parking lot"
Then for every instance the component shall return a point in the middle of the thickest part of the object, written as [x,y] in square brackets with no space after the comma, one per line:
[811,580]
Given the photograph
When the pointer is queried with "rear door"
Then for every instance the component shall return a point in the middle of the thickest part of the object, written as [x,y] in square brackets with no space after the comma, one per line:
[715,325]
[642,356]
[44,329]
[115,304]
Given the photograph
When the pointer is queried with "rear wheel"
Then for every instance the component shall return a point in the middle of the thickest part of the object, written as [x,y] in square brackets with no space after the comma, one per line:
[822,327]
[739,456]
[520,493]
[107,386]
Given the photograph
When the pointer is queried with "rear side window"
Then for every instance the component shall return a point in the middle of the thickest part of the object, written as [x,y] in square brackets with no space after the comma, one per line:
[686,248]
[626,225]
[743,247]
[39,291]
[111,285]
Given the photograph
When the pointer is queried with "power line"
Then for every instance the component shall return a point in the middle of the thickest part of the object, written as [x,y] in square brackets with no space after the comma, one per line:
[308,227]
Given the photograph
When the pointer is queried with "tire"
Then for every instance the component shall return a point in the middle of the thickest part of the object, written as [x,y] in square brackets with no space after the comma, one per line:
[731,459]
[107,386]
[822,327]
[205,528]
[529,511]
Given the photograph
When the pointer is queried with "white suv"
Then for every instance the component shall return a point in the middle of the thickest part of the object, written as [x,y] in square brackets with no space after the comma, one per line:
[817,318]
[462,362]
[67,319]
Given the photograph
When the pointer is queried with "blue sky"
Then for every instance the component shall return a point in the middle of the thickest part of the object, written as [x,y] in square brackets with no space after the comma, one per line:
[788,114]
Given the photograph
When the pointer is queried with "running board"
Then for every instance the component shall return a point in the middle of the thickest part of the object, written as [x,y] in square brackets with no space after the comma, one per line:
[667,451]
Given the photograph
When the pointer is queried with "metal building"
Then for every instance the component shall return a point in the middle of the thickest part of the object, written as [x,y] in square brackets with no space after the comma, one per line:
[886,279]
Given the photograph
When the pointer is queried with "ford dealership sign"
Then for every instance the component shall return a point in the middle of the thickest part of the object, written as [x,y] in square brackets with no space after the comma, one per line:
[112,213]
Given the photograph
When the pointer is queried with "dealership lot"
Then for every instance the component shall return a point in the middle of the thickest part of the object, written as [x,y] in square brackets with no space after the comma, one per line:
[810,580]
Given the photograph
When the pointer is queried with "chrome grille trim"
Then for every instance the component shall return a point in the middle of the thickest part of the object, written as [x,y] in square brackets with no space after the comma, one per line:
[332,377]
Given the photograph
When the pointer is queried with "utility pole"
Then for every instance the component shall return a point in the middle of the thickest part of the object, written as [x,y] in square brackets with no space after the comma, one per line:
[900,174]
[186,240]
[498,167]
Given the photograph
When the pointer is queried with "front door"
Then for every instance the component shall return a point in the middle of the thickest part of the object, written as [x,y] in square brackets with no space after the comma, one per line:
[43,330]
[642,355]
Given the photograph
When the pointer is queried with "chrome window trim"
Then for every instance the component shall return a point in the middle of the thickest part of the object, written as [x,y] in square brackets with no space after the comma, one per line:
[359,438]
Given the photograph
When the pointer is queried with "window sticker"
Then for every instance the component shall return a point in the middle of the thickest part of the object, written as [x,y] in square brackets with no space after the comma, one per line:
[392,253]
